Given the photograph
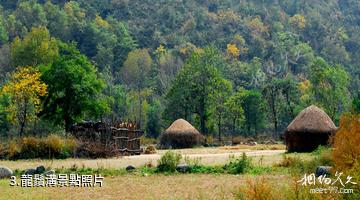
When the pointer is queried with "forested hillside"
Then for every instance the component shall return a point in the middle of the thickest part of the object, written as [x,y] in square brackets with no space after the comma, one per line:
[227,66]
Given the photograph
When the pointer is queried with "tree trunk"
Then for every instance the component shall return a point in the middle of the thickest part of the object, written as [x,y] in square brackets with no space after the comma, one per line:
[202,116]
[23,121]
[68,124]
[140,108]
[219,127]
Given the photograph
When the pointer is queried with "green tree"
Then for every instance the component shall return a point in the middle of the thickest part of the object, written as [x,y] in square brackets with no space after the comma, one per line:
[153,124]
[329,87]
[3,32]
[195,85]
[30,14]
[219,98]
[37,47]
[73,87]
[135,74]
[234,110]
[254,110]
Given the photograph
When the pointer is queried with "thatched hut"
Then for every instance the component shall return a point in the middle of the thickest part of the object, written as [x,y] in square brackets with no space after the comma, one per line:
[181,134]
[311,128]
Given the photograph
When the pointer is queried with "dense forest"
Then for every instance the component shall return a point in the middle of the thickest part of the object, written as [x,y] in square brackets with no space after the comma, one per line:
[227,66]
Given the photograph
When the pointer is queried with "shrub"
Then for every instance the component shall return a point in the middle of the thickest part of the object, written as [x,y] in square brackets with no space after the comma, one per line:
[150,149]
[298,166]
[259,189]
[70,145]
[13,150]
[54,143]
[346,142]
[238,140]
[289,161]
[209,139]
[169,161]
[238,165]
[346,153]
[2,151]
[147,141]
[30,147]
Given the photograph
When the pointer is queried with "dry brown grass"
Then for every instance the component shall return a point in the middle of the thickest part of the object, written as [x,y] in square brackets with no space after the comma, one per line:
[255,147]
[138,187]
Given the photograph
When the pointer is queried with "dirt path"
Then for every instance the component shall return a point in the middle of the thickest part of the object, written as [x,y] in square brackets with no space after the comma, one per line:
[269,156]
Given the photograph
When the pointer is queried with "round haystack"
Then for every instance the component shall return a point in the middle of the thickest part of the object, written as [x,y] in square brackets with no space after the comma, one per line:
[181,134]
[311,128]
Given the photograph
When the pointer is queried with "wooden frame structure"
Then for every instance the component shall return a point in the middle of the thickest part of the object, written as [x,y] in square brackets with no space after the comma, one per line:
[127,139]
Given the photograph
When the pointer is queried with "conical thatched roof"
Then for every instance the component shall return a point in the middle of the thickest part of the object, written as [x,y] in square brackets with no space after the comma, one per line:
[312,120]
[181,126]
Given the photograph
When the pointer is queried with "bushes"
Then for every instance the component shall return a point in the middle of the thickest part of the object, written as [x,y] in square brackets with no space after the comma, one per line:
[52,146]
[238,165]
[259,189]
[169,161]
[147,140]
[31,147]
[346,142]
[150,149]
[322,157]
[346,153]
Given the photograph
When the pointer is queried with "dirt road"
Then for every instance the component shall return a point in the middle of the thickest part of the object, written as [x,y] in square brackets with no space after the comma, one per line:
[266,156]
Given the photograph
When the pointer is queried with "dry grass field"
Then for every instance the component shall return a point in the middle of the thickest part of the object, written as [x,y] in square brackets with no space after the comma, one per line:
[157,186]
[185,186]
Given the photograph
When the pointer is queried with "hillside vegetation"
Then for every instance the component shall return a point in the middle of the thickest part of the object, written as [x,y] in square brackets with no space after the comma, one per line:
[227,66]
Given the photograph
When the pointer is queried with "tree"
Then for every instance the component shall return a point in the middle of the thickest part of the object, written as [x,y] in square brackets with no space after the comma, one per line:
[356,104]
[234,110]
[219,98]
[135,73]
[195,85]
[254,107]
[298,21]
[153,124]
[73,87]
[329,87]
[271,93]
[25,90]
[3,32]
[125,43]
[37,47]
[30,14]
[281,96]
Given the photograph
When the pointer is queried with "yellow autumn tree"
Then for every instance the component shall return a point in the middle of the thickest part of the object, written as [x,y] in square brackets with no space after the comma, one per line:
[233,51]
[25,90]
[304,88]
[161,50]
[298,21]
[101,22]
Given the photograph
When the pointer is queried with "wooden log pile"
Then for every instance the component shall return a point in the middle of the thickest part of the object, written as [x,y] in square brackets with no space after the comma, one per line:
[123,136]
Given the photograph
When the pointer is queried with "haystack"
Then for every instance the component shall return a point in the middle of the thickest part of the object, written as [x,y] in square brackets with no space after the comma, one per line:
[181,134]
[311,128]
